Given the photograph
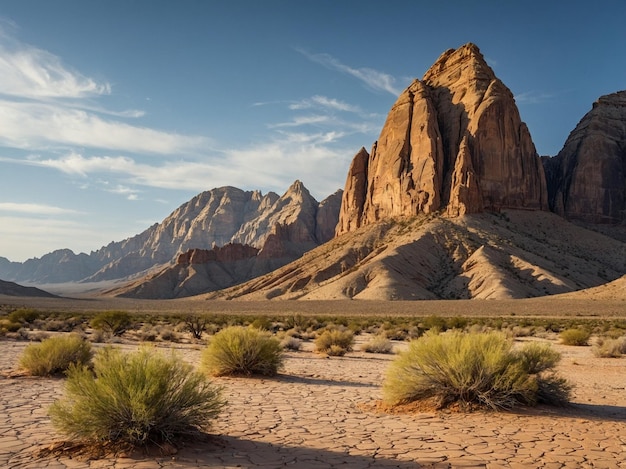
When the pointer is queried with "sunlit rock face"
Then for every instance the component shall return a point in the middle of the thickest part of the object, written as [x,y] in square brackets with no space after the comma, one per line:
[453,142]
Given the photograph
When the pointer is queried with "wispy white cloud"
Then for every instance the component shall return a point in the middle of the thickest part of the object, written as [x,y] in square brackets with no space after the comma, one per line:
[46,104]
[324,102]
[302,120]
[533,97]
[374,79]
[28,125]
[27,71]
[34,209]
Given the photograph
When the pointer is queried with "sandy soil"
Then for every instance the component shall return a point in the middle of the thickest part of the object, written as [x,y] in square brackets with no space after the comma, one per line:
[315,415]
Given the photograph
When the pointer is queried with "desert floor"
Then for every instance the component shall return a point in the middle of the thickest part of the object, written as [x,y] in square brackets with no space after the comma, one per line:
[320,413]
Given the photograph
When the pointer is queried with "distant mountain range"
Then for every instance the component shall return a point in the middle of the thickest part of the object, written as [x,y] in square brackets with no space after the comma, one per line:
[452,201]
[288,225]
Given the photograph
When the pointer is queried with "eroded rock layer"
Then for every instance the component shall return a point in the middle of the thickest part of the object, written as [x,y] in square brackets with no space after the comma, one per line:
[453,141]
[587,179]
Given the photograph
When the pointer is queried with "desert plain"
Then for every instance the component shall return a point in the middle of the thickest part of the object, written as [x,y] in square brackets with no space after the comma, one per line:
[324,412]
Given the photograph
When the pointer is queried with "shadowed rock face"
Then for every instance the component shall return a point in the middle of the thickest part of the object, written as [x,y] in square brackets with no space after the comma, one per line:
[453,141]
[587,179]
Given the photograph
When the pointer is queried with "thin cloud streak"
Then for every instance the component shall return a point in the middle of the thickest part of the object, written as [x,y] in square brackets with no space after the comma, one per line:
[374,79]
[324,102]
[34,209]
[27,71]
[34,126]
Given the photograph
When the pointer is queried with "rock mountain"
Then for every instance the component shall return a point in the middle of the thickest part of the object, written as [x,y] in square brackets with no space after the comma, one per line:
[587,179]
[453,201]
[281,228]
[453,142]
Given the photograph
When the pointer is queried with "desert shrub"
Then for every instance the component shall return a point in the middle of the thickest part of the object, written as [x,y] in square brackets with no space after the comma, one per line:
[536,357]
[472,369]
[263,323]
[135,398]
[23,316]
[334,342]
[9,326]
[196,324]
[378,344]
[168,334]
[291,343]
[55,355]
[242,350]
[609,348]
[434,322]
[148,333]
[575,336]
[112,322]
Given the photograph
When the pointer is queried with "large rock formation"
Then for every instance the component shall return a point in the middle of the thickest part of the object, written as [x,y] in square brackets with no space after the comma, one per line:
[453,141]
[587,179]
[284,229]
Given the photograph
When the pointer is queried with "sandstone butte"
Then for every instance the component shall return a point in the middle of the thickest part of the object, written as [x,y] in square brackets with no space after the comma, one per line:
[452,143]
[587,179]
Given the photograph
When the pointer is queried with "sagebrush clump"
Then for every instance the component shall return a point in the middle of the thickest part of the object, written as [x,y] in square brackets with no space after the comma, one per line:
[577,336]
[378,344]
[242,350]
[481,369]
[54,355]
[137,398]
[335,342]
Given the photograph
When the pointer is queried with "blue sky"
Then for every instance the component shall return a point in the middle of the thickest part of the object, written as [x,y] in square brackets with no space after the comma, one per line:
[113,113]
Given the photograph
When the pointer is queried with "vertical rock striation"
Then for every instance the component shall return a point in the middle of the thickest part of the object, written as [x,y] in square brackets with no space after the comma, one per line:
[587,179]
[454,142]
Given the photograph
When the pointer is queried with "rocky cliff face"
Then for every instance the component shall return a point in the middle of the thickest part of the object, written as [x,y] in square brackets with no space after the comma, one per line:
[453,141]
[295,221]
[587,179]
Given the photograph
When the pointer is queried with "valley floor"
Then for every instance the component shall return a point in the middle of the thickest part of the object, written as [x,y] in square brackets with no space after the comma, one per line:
[549,307]
[320,413]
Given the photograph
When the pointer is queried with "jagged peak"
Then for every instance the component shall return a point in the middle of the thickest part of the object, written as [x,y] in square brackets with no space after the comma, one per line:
[297,188]
[450,63]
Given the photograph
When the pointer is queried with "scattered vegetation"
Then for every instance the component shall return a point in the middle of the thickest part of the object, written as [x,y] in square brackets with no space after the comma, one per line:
[242,350]
[23,316]
[54,355]
[137,398]
[378,344]
[575,336]
[474,369]
[335,342]
[114,323]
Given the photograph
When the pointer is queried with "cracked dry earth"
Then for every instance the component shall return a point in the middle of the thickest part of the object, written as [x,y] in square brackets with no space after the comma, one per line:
[312,416]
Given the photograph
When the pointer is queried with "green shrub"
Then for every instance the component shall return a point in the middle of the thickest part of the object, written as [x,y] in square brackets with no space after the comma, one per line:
[537,357]
[575,337]
[334,342]
[23,316]
[242,350]
[135,398]
[112,322]
[378,344]
[472,369]
[55,355]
